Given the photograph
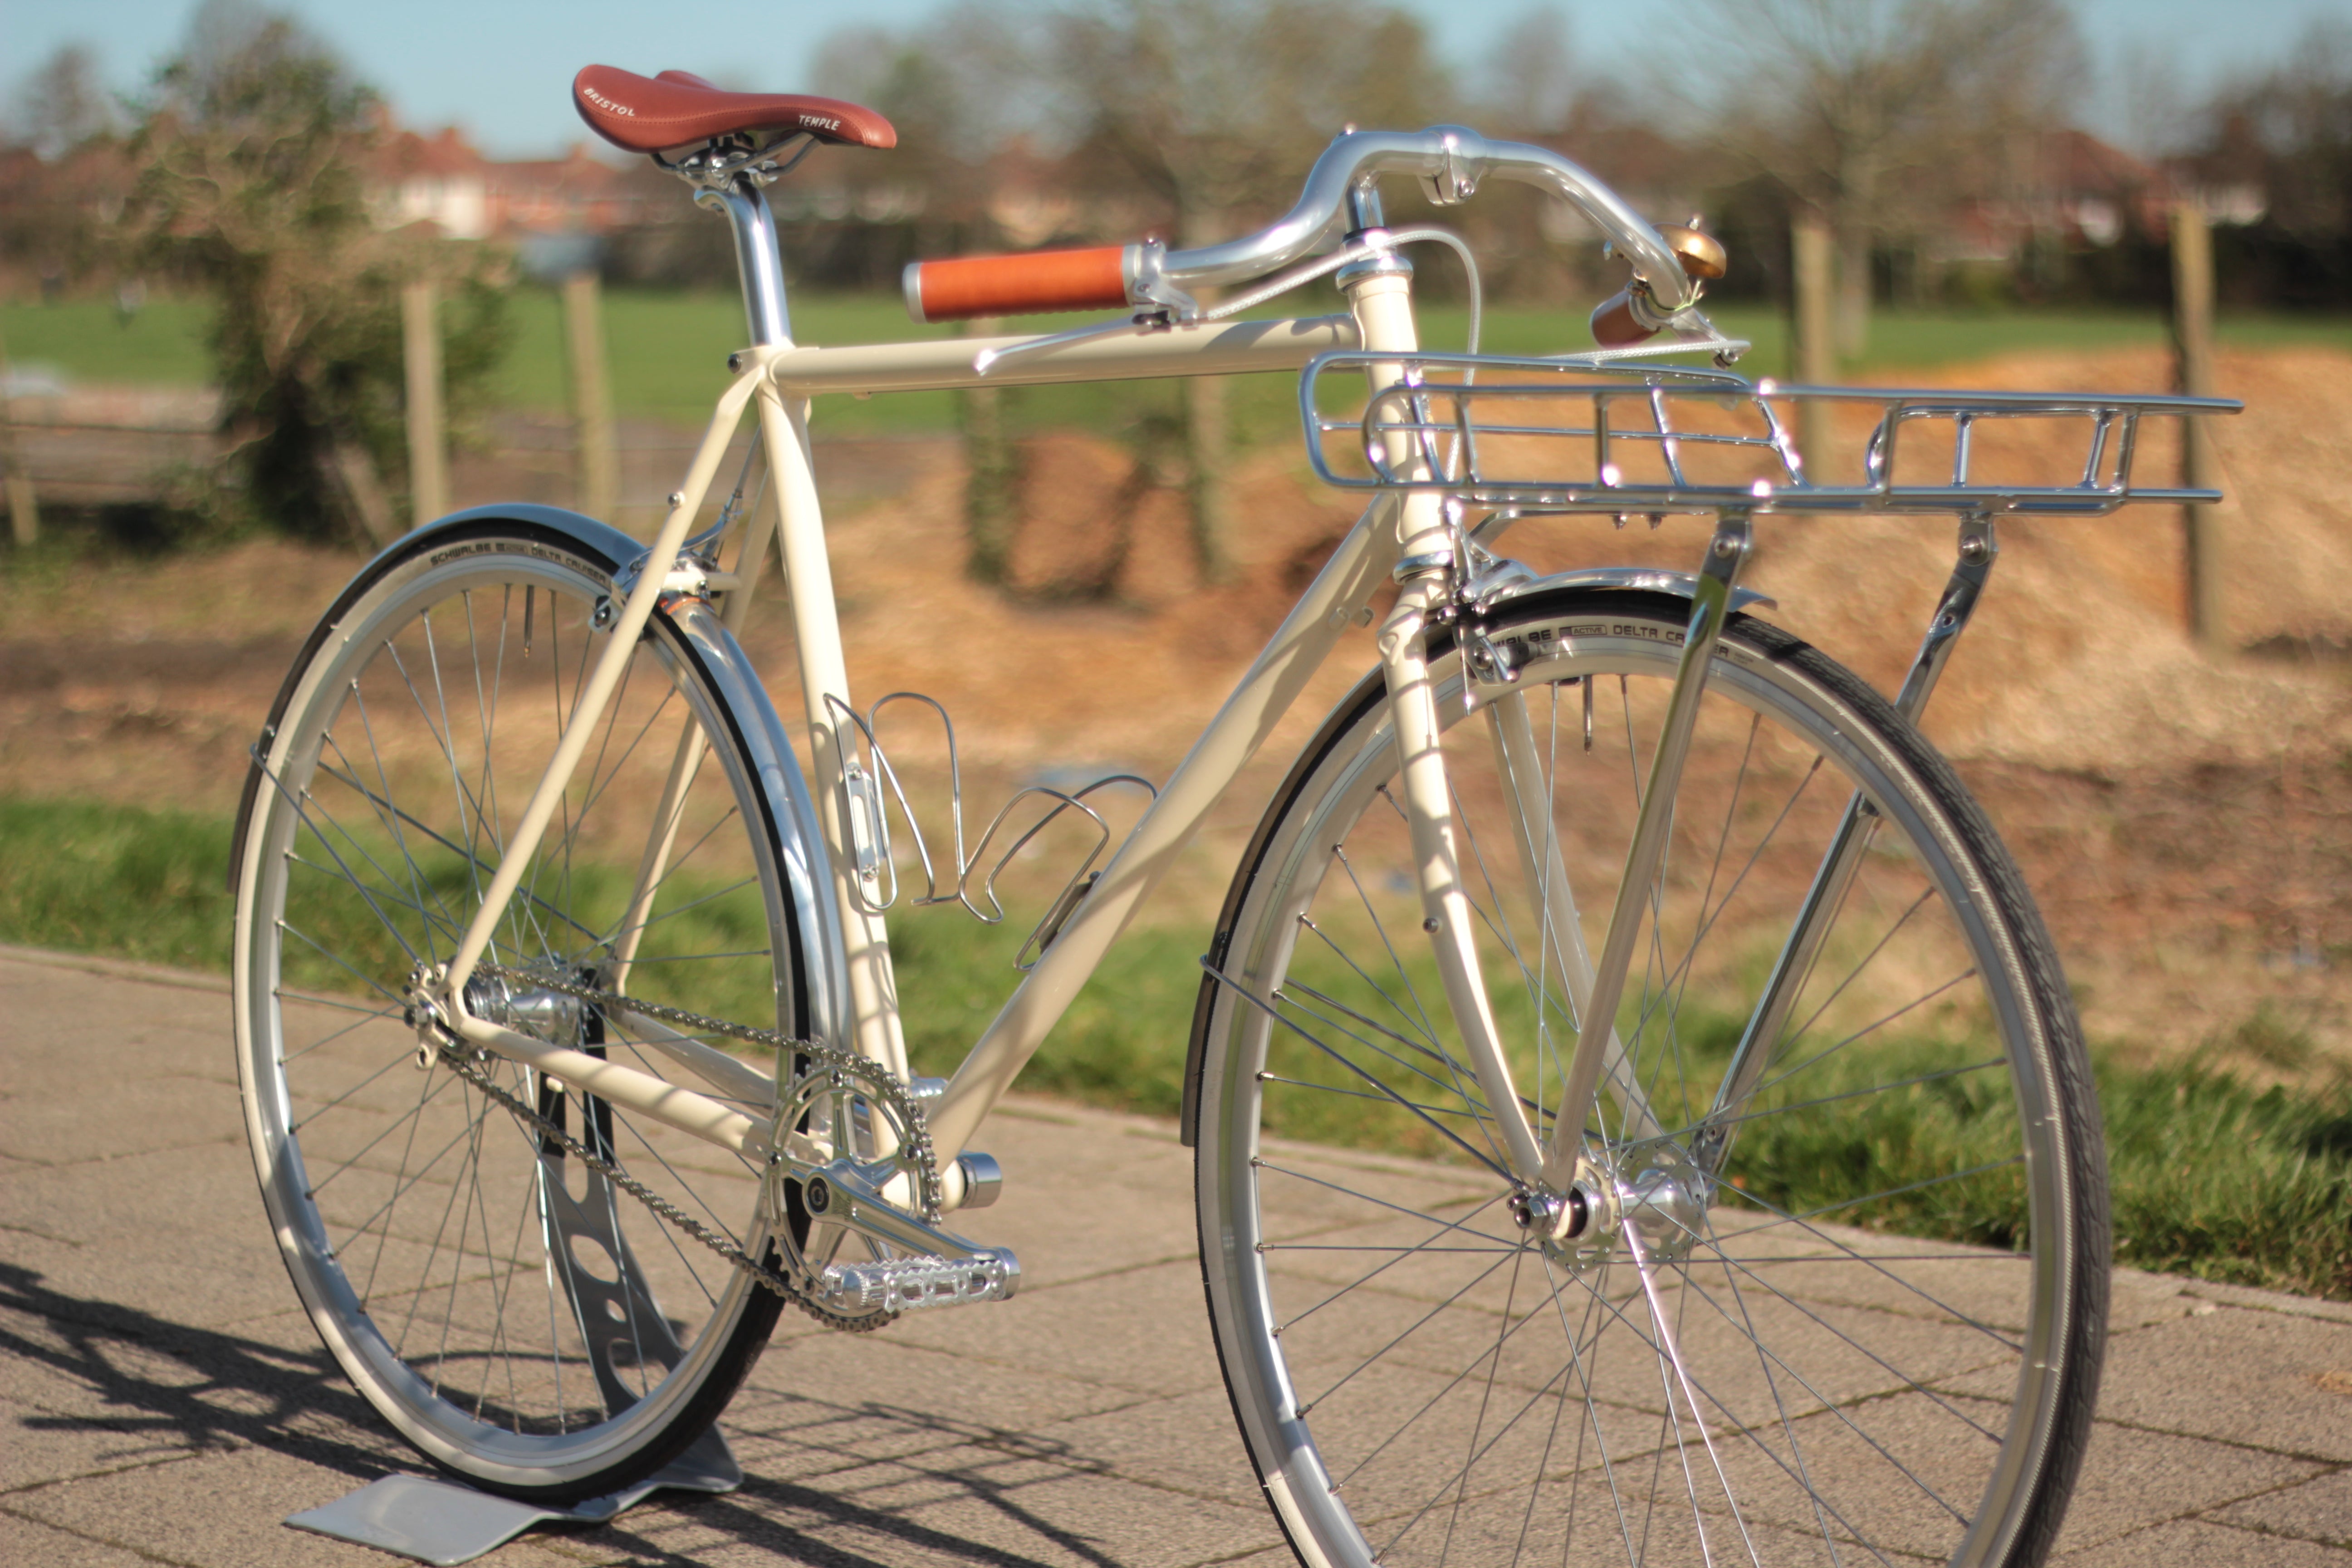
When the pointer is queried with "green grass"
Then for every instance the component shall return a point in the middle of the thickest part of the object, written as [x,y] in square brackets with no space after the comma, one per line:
[162,345]
[2213,1174]
[668,351]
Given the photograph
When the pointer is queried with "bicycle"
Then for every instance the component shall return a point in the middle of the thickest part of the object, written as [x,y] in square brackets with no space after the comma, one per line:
[565,999]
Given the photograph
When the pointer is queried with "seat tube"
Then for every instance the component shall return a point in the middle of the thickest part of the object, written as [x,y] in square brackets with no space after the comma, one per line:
[875,1026]
[1381,292]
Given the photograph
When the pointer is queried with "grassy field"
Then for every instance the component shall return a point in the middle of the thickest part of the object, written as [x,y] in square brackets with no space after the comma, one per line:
[2213,1176]
[668,351]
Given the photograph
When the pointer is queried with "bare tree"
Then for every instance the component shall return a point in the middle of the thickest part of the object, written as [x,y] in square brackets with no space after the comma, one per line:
[957,88]
[1216,109]
[1530,81]
[1871,110]
[64,103]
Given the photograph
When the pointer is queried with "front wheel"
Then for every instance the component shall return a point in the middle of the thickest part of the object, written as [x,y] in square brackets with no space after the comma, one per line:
[1843,1296]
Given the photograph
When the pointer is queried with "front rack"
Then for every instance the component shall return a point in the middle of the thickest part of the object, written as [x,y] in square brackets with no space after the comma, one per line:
[1575,434]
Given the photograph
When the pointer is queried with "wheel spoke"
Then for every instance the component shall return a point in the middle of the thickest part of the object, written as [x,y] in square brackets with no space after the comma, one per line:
[442,696]
[1797,1352]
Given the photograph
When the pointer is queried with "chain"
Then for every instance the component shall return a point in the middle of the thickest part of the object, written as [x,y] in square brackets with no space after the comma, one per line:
[838,1064]
[882,1084]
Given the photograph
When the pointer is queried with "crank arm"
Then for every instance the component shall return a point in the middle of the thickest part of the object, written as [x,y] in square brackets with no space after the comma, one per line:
[934,1267]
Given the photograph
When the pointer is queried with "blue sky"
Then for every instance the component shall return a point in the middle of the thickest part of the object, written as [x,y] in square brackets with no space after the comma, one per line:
[501,67]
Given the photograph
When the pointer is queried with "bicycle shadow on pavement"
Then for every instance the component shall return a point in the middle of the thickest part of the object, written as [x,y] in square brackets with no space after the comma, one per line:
[167,1390]
[944,1469]
[171,1389]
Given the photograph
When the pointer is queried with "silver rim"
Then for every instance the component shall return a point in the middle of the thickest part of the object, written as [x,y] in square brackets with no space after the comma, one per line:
[510,1313]
[1782,1371]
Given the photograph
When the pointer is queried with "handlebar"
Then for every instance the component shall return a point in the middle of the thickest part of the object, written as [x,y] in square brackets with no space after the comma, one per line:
[1450,161]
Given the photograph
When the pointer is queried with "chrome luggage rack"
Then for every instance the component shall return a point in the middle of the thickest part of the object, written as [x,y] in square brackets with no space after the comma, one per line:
[1579,434]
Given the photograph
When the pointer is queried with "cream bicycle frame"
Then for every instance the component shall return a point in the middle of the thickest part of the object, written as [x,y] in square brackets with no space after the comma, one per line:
[781,378]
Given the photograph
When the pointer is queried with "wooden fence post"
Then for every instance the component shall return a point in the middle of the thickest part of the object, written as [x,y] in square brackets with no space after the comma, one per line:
[592,396]
[1208,445]
[2192,339]
[428,449]
[24,511]
[1812,248]
[992,500]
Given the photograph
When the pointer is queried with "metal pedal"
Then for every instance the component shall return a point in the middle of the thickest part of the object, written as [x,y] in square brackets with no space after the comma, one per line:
[900,1284]
[931,1267]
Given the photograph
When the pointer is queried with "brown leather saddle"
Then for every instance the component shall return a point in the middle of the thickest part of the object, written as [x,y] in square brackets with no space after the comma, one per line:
[678,109]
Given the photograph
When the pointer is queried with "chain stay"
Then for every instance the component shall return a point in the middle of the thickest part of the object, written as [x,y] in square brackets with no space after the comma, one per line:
[824,1060]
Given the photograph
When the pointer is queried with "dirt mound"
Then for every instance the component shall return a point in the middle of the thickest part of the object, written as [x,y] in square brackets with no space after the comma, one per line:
[2185,819]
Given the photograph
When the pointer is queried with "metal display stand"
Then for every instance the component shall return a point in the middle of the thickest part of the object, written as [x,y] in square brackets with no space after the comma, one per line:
[444,1522]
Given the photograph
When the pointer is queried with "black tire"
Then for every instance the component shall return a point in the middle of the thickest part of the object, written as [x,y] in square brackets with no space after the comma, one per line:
[421,1221]
[1873,1324]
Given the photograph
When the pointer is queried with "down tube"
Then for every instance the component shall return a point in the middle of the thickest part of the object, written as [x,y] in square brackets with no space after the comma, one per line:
[1290,658]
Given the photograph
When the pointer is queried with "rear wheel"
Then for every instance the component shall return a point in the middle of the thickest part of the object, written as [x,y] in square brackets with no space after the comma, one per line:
[523,1321]
[1843,1303]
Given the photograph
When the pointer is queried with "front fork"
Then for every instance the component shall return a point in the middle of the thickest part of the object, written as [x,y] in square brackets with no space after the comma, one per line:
[1552,1167]
[1429,814]
[1549,1171]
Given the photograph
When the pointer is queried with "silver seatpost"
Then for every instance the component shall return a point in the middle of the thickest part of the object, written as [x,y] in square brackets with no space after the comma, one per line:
[759,260]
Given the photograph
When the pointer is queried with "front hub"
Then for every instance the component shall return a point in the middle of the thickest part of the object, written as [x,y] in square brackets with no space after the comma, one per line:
[1653,1192]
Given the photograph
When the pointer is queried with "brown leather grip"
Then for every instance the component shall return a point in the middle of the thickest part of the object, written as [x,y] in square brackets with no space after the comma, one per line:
[1091,279]
[1613,326]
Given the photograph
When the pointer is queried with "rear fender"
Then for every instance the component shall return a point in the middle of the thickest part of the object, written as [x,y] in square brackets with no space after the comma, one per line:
[807,869]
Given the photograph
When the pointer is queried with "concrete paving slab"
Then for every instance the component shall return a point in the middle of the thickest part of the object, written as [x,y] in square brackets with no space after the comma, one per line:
[2196,1544]
[1085,1193]
[144,1111]
[163,1397]
[25,1540]
[2319,1509]
[2139,1299]
[224,1511]
[1100,1520]
[1186,1444]
[1145,1330]
[841,1400]
[102,1240]
[2205,1293]
[2288,1382]
[2133,1480]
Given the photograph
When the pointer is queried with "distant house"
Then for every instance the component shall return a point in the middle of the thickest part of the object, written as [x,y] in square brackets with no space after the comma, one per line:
[445,180]
[2071,187]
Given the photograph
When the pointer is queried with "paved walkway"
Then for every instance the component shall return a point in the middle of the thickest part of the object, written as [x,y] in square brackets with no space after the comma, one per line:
[163,1400]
